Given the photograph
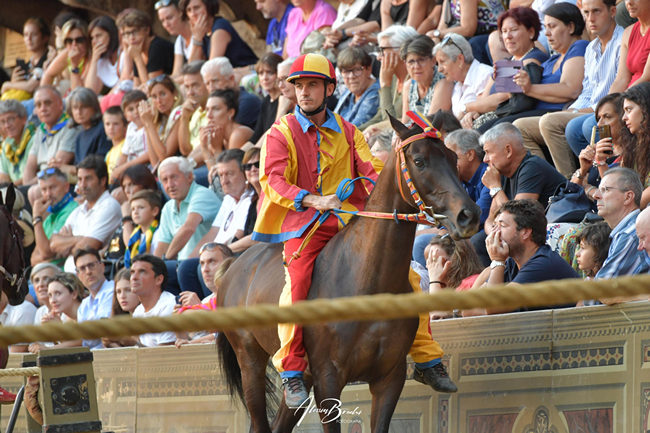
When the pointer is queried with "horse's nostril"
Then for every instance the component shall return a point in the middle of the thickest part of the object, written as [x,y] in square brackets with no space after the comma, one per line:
[466,218]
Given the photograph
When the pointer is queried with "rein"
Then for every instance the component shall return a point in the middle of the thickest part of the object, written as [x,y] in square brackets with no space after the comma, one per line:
[346,188]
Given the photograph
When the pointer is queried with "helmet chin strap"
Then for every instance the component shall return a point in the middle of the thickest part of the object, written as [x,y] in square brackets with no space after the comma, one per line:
[322,106]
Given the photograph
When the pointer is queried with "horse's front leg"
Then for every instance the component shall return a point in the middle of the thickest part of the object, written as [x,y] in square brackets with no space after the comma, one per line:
[385,394]
[328,384]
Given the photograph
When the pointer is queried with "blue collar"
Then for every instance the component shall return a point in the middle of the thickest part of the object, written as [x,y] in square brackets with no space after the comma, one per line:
[330,121]
[57,207]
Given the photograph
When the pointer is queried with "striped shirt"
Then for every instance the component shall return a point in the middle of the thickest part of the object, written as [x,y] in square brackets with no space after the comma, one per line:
[623,257]
[600,70]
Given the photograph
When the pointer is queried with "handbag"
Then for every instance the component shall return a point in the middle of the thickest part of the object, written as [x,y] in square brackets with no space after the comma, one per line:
[519,102]
[569,204]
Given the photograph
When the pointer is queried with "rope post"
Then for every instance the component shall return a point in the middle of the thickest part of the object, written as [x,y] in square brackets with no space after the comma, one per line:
[69,397]
[29,360]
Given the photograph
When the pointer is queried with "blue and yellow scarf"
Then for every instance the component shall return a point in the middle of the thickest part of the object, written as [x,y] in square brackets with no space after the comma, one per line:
[135,245]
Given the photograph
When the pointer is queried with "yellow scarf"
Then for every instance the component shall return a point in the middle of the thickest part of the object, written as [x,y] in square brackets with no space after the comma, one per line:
[14,154]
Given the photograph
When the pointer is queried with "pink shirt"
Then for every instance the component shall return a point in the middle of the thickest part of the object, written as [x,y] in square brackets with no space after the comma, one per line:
[297,30]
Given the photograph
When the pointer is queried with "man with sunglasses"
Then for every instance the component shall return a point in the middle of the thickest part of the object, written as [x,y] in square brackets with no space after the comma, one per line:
[53,141]
[50,212]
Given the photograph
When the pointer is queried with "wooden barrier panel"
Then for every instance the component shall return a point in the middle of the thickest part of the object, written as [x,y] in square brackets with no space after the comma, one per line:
[563,371]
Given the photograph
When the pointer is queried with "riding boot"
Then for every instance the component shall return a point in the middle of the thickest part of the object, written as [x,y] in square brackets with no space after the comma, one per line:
[295,393]
[436,377]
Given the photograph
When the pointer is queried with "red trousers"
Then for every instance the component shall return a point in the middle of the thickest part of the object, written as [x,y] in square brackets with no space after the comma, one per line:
[298,273]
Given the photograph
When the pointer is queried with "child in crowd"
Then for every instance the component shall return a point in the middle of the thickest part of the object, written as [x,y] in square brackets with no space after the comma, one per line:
[115,126]
[83,108]
[124,302]
[134,150]
[145,212]
[594,246]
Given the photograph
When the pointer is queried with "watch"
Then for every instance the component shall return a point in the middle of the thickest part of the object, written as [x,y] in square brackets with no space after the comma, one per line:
[436,34]
[494,191]
[497,263]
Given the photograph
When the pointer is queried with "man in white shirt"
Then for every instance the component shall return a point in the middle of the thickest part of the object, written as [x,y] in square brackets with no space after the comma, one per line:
[148,278]
[92,223]
[99,303]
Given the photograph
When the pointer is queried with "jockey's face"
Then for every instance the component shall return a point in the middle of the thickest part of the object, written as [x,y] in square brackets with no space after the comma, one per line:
[310,92]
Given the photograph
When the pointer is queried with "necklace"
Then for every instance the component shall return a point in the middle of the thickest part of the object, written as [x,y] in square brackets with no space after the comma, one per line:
[525,54]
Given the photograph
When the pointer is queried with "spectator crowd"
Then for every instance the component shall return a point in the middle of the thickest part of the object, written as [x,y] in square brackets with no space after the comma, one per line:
[137,155]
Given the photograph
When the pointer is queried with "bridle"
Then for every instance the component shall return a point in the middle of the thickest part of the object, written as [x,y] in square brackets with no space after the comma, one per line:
[17,279]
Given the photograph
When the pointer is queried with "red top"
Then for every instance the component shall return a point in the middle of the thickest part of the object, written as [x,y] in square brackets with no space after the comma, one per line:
[637,53]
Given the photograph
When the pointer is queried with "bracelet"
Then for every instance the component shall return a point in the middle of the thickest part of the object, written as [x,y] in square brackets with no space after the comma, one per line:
[436,282]
[599,164]
[127,219]
[197,43]
[343,34]
[37,220]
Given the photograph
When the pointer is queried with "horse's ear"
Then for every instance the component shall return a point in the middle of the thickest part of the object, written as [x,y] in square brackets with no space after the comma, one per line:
[10,197]
[402,131]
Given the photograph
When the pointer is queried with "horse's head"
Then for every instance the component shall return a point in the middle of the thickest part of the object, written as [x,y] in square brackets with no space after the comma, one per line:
[13,269]
[432,170]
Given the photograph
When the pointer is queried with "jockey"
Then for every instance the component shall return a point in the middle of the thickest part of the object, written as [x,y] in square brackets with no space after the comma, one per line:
[305,156]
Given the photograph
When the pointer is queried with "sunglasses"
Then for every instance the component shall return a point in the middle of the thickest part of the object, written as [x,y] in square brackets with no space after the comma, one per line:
[80,40]
[157,79]
[208,247]
[250,165]
[163,4]
[47,172]
[448,40]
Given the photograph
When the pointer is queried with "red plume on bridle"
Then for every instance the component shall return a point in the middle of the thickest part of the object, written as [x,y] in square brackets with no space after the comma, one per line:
[424,123]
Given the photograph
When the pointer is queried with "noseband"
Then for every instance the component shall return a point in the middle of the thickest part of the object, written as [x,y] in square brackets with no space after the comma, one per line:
[428,131]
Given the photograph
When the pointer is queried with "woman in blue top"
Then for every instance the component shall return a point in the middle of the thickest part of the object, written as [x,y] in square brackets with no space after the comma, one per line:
[213,36]
[562,77]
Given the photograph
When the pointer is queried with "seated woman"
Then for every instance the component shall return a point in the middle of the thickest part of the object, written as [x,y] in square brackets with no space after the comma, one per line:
[26,77]
[267,71]
[596,159]
[102,69]
[427,91]
[562,73]
[176,24]
[393,12]
[633,66]
[145,55]
[392,73]
[65,293]
[473,19]
[636,135]
[354,25]
[213,36]
[457,63]
[359,103]
[69,68]
[519,28]
[222,132]
[83,108]
[17,143]
[160,119]
[124,302]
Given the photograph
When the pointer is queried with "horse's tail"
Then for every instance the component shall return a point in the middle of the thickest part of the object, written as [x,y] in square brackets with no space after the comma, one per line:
[230,367]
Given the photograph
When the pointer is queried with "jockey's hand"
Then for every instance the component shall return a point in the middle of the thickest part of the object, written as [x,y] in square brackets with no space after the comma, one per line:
[322,203]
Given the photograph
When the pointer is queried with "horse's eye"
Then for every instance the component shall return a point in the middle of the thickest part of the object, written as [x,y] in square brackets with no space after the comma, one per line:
[419,162]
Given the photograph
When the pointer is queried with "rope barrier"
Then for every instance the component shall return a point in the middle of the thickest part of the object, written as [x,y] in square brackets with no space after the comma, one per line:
[373,307]
[25,371]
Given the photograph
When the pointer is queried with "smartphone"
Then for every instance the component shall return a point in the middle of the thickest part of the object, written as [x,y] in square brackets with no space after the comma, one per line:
[605,132]
[22,65]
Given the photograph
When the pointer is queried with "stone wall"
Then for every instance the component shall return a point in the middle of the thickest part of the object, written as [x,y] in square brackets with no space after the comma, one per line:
[565,371]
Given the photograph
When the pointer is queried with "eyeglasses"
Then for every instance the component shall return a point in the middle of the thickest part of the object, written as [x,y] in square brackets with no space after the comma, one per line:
[355,72]
[421,61]
[283,79]
[80,40]
[130,33]
[87,268]
[208,247]
[250,165]
[8,120]
[382,50]
[449,40]
[604,189]
[163,4]
[157,79]
[47,172]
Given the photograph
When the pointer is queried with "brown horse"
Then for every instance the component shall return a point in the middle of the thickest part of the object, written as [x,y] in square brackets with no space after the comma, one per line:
[13,268]
[369,256]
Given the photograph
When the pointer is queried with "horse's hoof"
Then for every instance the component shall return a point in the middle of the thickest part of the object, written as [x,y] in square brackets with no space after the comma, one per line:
[295,393]
[436,377]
